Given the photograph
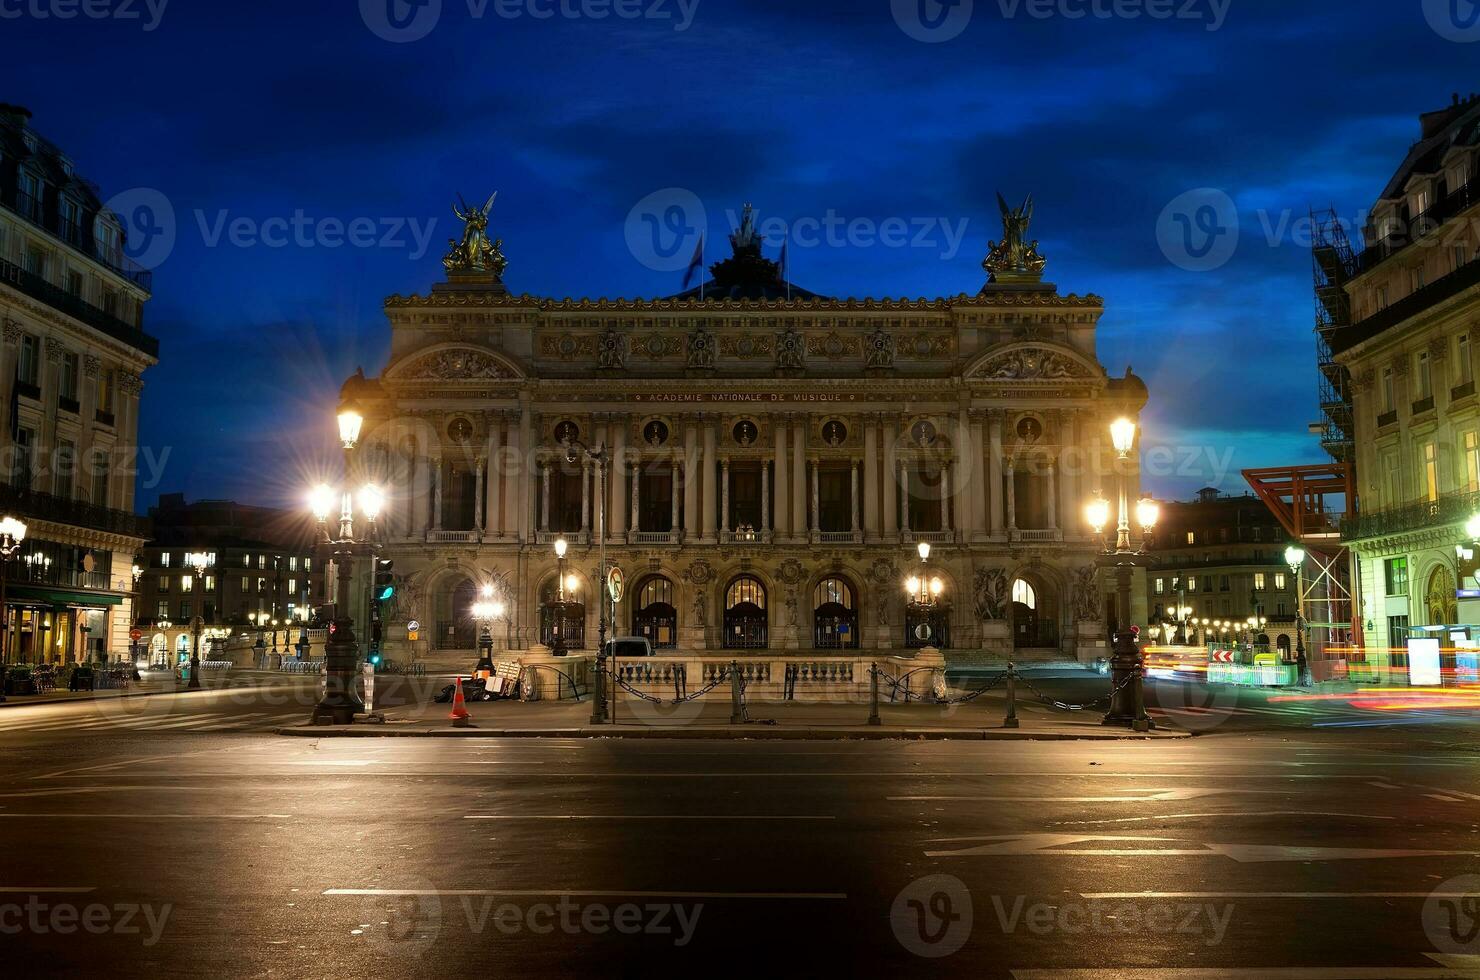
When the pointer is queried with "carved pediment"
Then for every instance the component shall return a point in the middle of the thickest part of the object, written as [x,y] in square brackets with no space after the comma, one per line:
[1032,363]
[454,364]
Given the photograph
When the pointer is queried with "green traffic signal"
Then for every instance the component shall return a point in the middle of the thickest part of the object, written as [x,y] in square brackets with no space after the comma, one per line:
[385,580]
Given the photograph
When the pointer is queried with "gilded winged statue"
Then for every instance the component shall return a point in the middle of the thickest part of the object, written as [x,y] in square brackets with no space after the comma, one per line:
[1014,256]
[475,253]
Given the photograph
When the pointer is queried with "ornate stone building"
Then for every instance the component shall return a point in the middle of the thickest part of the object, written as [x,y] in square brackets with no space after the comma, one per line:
[775,458]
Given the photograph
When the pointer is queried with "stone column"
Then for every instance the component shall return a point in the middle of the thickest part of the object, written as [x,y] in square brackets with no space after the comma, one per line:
[478,496]
[494,518]
[522,460]
[725,497]
[436,493]
[691,520]
[945,497]
[994,471]
[765,497]
[981,498]
[904,496]
[636,524]
[1070,473]
[783,494]
[966,483]
[674,495]
[853,476]
[816,496]
[871,476]
[618,459]
[799,479]
[891,477]
[585,496]
[1011,497]
[544,497]
[1051,498]
[706,482]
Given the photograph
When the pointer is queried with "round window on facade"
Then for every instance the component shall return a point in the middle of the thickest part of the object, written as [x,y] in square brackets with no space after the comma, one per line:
[746,432]
[567,431]
[924,433]
[1029,429]
[655,433]
[460,430]
[834,432]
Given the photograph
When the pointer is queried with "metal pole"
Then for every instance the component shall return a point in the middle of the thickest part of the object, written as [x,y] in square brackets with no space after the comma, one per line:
[873,693]
[1011,721]
[194,683]
[737,709]
[340,703]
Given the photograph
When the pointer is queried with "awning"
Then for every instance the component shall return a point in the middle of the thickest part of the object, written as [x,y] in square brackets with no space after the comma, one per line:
[60,597]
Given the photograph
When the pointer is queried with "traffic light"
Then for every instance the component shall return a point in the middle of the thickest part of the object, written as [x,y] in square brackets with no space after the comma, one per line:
[375,659]
[385,579]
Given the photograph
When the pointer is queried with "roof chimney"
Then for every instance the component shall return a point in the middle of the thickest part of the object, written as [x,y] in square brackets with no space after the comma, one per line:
[16,115]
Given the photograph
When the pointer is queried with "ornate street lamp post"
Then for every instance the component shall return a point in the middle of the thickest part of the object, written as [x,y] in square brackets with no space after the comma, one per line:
[342,653]
[1295,559]
[1127,668]
[923,591]
[557,629]
[198,561]
[575,449]
[12,533]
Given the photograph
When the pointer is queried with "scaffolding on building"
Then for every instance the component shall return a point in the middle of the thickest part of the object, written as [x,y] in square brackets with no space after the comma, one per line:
[1334,263]
[1311,502]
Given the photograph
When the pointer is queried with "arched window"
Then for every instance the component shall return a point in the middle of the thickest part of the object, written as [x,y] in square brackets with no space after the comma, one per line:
[745,614]
[834,616]
[1023,594]
[653,613]
[1034,617]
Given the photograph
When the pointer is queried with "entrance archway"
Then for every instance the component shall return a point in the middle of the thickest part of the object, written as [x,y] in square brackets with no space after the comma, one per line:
[1440,601]
[745,614]
[834,615]
[1034,624]
[654,615]
[455,627]
[568,618]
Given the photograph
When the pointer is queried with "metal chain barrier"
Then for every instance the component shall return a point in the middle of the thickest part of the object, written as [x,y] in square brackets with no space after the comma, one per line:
[575,688]
[1062,706]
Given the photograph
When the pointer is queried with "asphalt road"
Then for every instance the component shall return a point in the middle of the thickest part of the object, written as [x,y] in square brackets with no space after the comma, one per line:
[135,849]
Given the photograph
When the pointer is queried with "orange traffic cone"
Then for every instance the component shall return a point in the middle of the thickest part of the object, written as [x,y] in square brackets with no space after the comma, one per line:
[459,714]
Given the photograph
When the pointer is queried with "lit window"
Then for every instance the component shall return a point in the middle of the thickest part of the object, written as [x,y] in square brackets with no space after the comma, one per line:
[1279,580]
[1431,471]
[1259,580]
[1023,594]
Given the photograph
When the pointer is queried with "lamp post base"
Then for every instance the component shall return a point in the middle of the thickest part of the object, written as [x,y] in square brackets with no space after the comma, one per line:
[194,683]
[1127,698]
[340,703]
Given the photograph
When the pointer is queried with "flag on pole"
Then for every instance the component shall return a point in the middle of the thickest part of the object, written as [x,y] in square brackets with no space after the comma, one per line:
[696,264]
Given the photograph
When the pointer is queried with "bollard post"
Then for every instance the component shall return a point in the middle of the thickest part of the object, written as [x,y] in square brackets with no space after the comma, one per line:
[1011,721]
[873,695]
[1142,722]
[598,696]
[737,708]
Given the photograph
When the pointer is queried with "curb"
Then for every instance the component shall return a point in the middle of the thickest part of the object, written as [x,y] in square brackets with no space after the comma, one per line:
[736,732]
[11,702]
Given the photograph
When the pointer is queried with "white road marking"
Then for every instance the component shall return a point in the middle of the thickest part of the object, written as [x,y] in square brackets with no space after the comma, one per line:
[46,890]
[1261,973]
[637,816]
[149,816]
[580,893]
[1442,798]
[1314,896]
[1230,814]
[1162,796]
[1010,845]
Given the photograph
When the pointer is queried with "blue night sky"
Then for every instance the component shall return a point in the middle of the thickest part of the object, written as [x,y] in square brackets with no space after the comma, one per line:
[809,108]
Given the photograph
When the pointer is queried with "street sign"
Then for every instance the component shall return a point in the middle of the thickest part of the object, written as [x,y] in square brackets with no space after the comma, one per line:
[413,627]
[616,583]
[135,634]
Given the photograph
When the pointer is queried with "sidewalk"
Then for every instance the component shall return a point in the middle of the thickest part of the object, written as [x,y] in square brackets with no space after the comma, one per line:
[154,682]
[977,721]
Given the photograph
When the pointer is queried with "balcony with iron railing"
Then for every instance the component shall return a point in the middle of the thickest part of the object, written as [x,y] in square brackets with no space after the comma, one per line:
[1419,226]
[39,288]
[34,212]
[1449,509]
[35,505]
